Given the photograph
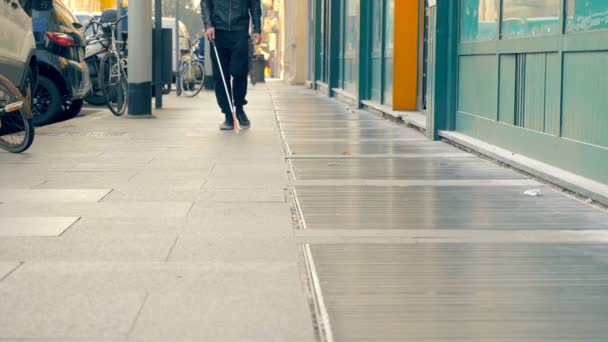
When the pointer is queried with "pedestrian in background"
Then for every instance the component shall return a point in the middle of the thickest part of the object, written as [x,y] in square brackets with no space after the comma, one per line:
[227,25]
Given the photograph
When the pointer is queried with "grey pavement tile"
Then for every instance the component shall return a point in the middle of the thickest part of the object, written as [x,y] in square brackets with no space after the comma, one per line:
[131,249]
[244,182]
[35,226]
[250,171]
[52,195]
[37,311]
[159,277]
[7,268]
[21,183]
[107,167]
[246,213]
[100,210]
[174,176]
[276,194]
[234,249]
[246,306]
[126,227]
[158,192]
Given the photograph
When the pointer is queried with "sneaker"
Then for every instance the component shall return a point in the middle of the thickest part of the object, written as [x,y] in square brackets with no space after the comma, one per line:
[226,126]
[243,120]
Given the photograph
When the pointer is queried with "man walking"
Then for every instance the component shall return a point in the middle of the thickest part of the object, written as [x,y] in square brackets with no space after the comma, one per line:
[227,25]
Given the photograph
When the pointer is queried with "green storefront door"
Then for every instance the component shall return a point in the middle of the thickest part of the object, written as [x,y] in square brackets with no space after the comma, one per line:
[532,78]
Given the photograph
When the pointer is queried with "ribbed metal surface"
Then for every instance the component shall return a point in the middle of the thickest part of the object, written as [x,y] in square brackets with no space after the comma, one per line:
[342,124]
[332,117]
[430,207]
[465,292]
[352,134]
[370,147]
[400,168]
[490,290]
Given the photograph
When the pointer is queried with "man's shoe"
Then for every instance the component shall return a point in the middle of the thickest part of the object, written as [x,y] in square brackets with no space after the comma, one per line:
[243,120]
[227,126]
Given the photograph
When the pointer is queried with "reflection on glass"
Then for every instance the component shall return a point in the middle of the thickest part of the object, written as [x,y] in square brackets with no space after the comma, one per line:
[351,45]
[376,53]
[389,29]
[479,20]
[587,15]
[530,18]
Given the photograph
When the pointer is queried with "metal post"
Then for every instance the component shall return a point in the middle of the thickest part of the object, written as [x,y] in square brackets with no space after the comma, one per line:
[140,58]
[176,42]
[158,39]
[119,8]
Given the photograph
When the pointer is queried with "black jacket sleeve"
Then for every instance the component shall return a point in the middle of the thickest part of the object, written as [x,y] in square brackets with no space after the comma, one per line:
[206,10]
[255,10]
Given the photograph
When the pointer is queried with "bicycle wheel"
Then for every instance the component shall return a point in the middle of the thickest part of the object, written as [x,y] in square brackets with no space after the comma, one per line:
[114,84]
[16,127]
[193,79]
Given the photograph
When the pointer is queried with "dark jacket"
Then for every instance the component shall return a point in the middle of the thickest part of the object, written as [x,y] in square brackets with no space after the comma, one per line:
[232,15]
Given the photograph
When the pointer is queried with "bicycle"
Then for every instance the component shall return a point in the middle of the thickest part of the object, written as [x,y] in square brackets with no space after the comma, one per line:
[191,79]
[113,74]
[16,127]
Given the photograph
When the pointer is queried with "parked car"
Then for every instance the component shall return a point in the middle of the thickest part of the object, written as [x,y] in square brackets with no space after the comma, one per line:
[17,47]
[63,79]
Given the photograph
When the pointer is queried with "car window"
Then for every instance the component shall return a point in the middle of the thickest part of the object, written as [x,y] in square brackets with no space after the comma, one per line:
[63,15]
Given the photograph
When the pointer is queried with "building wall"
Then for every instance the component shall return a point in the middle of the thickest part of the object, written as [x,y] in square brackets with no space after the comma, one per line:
[367,50]
[534,83]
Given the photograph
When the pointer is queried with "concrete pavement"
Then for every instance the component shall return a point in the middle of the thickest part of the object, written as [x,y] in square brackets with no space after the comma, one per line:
[161,229]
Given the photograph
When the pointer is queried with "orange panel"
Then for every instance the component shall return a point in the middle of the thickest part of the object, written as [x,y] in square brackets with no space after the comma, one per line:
[405,74]
[105,4]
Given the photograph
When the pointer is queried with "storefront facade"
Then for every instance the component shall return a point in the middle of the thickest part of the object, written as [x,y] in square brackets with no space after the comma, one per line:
[352,50]
[528,76]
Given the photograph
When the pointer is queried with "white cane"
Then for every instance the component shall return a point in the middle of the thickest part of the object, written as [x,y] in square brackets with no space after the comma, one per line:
[232,108]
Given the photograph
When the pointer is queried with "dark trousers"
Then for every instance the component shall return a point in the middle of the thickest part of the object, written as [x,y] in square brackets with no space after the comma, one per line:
[233,50]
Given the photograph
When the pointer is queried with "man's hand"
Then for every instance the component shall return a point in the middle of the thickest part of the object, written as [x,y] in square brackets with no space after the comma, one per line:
[256,38]
[210,34]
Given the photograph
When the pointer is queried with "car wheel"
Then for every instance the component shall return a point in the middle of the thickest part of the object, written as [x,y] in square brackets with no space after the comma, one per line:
[71,110]
[47,101]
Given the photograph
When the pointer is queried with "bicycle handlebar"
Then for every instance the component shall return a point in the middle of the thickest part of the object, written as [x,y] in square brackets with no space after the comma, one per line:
[113,23]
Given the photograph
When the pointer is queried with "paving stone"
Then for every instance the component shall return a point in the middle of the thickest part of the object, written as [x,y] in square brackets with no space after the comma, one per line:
[52,195]
[35,226]
[98,249]
[38,311]
[6,268]
[227,249]
[103,209]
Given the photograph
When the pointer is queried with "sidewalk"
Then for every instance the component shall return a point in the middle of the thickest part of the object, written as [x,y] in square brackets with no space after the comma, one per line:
[167,229]
[160,229]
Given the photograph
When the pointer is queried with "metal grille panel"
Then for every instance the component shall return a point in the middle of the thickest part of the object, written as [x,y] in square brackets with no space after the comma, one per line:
[429,207]
[400,168]
[464,292]
[371,147]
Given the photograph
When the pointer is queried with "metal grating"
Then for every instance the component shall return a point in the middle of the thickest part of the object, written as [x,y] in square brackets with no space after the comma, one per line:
[464,292]
[331,117]
[400,169]
[369,147]
[446,207]
[341,124]
[353,134]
